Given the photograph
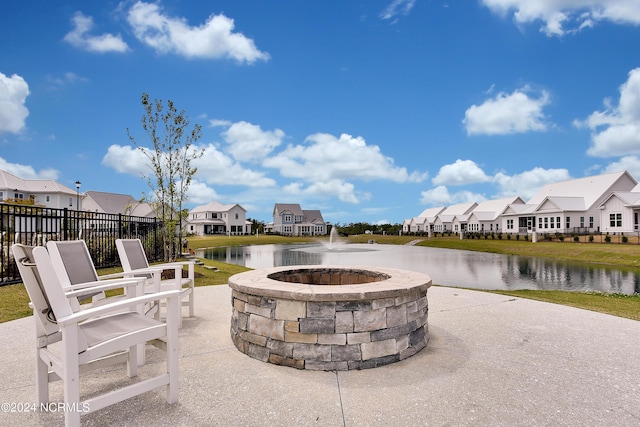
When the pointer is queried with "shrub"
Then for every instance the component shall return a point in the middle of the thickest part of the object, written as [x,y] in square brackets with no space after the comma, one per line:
[625,239]
[607,239]
[576,238]
[590,238]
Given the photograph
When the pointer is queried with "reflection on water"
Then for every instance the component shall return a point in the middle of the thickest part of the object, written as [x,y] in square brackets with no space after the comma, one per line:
[445,266]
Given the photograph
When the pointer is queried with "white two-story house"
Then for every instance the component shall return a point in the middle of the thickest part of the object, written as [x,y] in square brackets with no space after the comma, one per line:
[216,218]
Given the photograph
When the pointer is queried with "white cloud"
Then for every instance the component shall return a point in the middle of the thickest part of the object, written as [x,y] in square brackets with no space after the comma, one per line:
[397,7]
[563,16]
[126,159]
[214,167]
[63,80]
[527,183]
[616,131]
[80,37]
[27,172]
[629,163]
[507,114]
[462,172]
[248,142]
[13,95]
[326,157]
[344,191]
[199,193]
[219,123]
[213,39]
[440,196]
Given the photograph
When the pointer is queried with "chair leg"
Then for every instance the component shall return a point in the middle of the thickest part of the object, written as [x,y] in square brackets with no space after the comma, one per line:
[42,379]
[71,376]
[142,354]
[132,360]
[174,316]
[191,302]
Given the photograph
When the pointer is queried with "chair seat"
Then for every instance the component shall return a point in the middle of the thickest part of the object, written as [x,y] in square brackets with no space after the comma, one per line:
[105,328]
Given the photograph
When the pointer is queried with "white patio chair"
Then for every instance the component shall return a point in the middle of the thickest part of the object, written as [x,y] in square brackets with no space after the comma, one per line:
[134,261]
[93,338]
[73,264]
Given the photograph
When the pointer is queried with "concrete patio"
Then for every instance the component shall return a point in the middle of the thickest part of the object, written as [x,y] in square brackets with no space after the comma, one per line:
[492,360]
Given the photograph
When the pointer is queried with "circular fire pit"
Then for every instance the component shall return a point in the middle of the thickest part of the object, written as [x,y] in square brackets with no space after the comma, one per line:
[329,317]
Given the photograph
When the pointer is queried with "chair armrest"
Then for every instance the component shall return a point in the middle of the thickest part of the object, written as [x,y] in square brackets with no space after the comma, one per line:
[111,276]
[90,288]
[145,271]
[173,296]
[174,265]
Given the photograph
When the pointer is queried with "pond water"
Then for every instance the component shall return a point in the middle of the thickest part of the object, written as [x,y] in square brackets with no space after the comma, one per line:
[446,267]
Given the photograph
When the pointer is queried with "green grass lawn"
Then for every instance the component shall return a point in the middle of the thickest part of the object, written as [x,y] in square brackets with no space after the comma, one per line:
[14,299]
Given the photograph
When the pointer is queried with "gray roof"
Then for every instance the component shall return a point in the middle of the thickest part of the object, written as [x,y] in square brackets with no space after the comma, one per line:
[120,203]
[294,208]
[11,182]
[313,215]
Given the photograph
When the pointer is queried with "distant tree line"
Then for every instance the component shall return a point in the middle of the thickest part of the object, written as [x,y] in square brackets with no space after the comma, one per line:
[364,227]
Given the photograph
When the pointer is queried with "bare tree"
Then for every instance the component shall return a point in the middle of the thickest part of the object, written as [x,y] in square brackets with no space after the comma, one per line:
[171,164]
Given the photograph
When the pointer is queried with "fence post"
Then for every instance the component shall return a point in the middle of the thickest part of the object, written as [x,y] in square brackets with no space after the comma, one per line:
[65,224]
[119,226]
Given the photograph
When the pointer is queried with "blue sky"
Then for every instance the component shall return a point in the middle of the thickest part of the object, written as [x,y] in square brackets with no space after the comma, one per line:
[367,110]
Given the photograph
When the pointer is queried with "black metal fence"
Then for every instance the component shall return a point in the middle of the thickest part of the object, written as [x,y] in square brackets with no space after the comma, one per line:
[32,225]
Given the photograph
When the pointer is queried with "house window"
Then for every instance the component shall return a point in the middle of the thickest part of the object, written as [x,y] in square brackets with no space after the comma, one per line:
[557,221]
[581,222]
[48,198]
[287,218]
[590,222]
[236,216]
[509,224]
[539,222]
[70,201]
[635,219]
[615,220]
[568,226]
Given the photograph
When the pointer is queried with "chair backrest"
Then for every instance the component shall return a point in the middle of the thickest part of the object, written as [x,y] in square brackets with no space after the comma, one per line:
[72,261]
[131,254]
[33,283]
[73,264]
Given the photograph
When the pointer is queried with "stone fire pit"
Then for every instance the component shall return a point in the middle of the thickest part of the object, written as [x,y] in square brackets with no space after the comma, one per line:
[329,317]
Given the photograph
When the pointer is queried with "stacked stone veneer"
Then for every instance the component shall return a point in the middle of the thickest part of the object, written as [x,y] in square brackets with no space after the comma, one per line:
[333,318]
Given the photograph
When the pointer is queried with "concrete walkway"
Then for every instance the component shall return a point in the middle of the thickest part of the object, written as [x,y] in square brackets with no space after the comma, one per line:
[492,360]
